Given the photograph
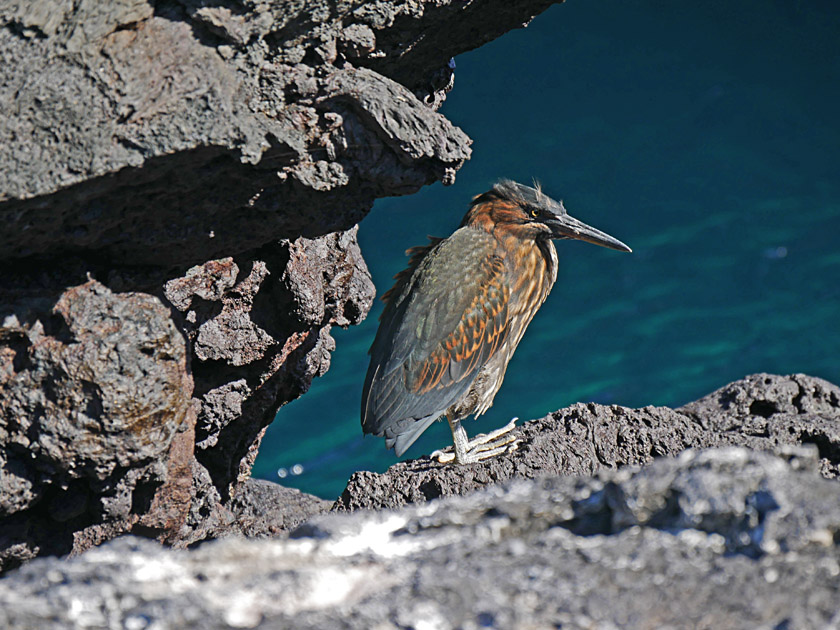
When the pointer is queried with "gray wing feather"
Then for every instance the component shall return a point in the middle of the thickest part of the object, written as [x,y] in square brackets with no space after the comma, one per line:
[420,314]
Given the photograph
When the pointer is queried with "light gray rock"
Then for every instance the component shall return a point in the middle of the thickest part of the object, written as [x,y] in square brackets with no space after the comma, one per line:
[723,538]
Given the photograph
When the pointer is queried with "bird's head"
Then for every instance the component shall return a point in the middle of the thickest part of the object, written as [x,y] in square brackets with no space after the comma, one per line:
[529,213]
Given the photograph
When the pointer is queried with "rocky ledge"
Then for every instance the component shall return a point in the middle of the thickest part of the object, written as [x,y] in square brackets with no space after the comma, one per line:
[722,538]
[764,412]
[567,531]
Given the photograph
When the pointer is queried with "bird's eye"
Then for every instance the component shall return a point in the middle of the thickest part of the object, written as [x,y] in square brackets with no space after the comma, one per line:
[535,213]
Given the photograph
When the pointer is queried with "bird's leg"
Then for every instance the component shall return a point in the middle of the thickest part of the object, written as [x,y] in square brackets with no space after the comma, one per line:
[460,439]
[481,447]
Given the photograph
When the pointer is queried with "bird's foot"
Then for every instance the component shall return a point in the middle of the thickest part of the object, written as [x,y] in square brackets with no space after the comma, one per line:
[481,447]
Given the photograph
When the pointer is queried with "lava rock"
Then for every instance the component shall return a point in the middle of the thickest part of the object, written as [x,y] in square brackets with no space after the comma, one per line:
[231,123]
[94,398]
[259,328]
[726,538]
[266,509]
[761,411]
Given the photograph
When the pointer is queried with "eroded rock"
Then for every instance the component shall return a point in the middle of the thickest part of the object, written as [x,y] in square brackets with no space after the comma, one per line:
[266,509]
[94,396]
[232,146]
[259,328]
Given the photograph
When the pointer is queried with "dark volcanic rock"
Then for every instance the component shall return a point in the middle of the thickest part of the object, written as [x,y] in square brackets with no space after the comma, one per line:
[762,411]
[93,401]
[715,539]
[265,509]
[216,157]
[237,128]
[259,328]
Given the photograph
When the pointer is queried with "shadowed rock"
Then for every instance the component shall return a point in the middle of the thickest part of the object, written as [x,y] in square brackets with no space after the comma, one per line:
[96,413]
[266,509]
[717,539]
[762,411]
[237,124]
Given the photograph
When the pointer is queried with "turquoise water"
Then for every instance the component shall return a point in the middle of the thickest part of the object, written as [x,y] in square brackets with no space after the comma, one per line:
[704,135]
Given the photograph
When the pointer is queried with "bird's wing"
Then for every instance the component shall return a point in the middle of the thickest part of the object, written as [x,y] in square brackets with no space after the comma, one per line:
[441,359]
[444,319]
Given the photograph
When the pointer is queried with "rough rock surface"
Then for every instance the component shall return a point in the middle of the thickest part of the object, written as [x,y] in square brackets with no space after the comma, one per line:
[95,408]
[259,329]
[211,158]
[726,538]
[240,122]
[762,412]
[265,509]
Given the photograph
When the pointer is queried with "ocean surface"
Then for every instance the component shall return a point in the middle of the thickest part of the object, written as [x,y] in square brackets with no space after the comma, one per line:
[705,135]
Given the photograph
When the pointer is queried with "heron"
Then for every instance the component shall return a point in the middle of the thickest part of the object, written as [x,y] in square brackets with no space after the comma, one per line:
[456,314]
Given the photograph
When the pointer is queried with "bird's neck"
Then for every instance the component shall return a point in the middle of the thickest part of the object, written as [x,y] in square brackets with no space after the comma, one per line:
[549,253]
[499,219]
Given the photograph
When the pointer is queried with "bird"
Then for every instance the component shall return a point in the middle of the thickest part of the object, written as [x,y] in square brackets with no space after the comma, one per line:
[456,314]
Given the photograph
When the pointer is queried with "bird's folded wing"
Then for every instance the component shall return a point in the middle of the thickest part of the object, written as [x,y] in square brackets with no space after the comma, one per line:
[441,359]
[443,323]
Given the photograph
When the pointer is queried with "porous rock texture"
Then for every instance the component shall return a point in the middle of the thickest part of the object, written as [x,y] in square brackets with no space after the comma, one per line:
[722,538]
[179,186]
[94,403]
[267,509]
[763,411]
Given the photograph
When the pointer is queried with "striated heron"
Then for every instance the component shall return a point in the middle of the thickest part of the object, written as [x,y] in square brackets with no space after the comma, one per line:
[454,317]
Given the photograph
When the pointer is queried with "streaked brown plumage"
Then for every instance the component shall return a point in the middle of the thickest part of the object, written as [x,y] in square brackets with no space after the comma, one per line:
[455,316]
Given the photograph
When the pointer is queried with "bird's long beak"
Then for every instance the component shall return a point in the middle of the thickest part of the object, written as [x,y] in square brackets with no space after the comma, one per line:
[564,226]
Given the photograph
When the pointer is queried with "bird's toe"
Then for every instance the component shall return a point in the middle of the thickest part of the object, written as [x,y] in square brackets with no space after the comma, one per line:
[489,451]
[443,456]
[495,438]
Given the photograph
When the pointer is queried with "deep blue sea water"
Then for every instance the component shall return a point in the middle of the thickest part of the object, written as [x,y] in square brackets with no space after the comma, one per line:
[705,135]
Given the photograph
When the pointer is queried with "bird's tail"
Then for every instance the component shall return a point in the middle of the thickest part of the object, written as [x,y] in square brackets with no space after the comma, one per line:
[406,438]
